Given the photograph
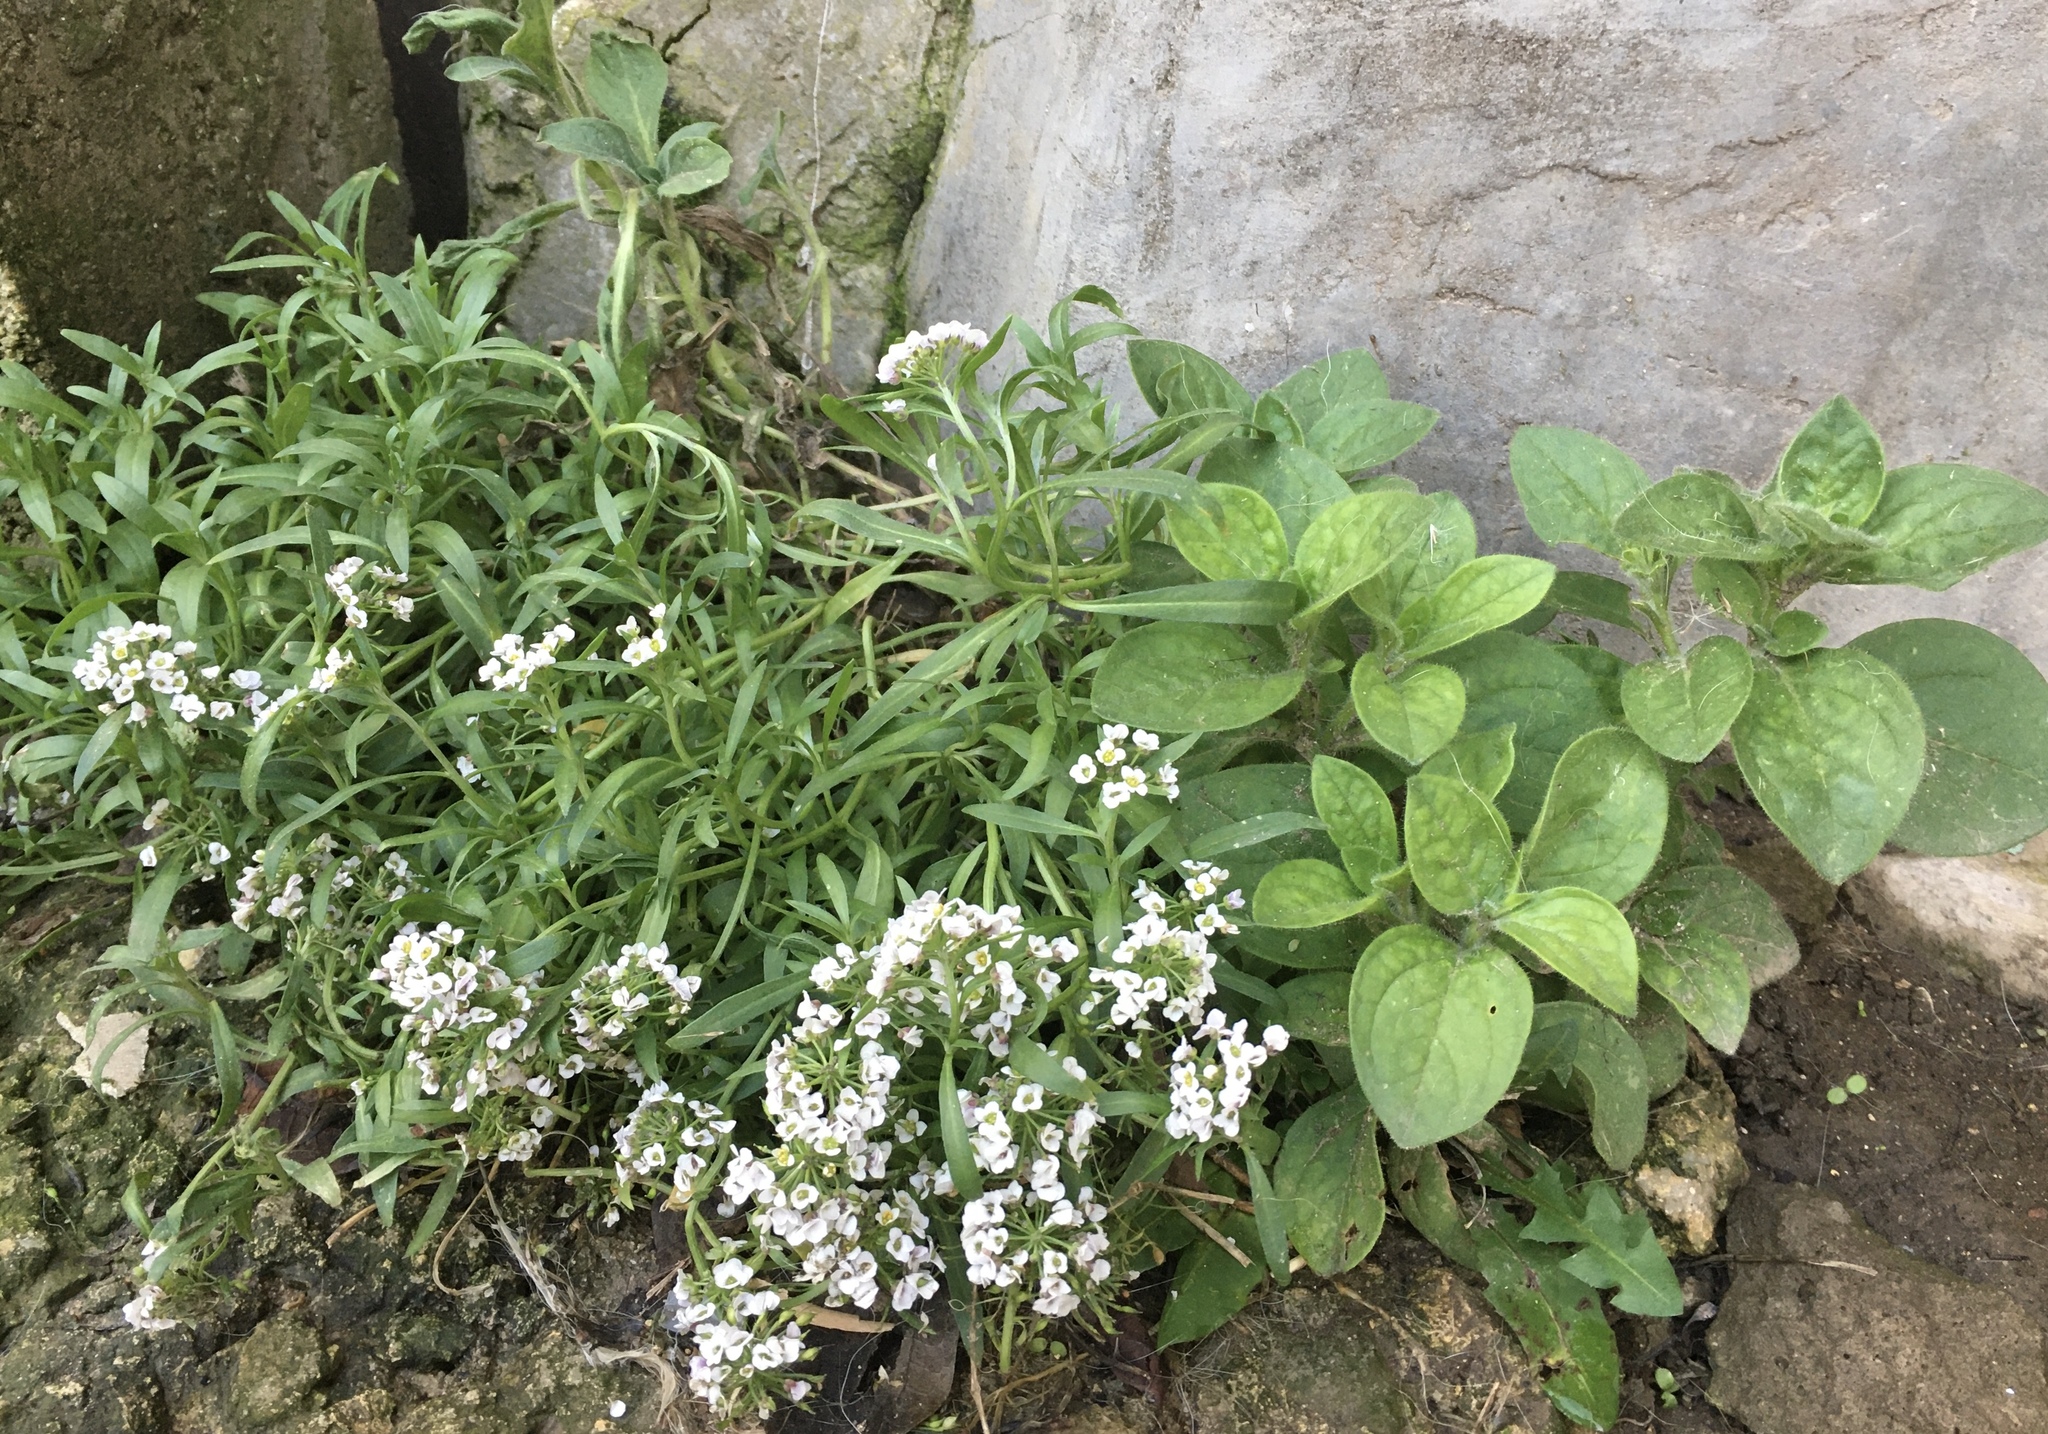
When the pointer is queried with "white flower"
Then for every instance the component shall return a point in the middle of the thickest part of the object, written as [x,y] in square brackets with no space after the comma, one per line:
[1083,771]
[147,856]
[140,1312]
[247,679]
[217,854]
[467,768]
[221,711]
[513,664]
[910,353]
[329,673]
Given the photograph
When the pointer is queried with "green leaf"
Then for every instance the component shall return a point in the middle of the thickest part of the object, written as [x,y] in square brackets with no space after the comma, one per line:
[1270,1215]
[1835,465]
[1349,377]
[1222,801]
[1795,632]
[1583,938]
[1361,433]
[1353,540]
[1620,1250]
[1189,677]
[1024,819]
[1700,972]
[1233,533]
[488,26]
[1517,681]
[1985,707]
[471,68]
[1411,715]
[1448,543]
[1698,514]
[1482,760]
[1603,819]
[1209,1283]
[1721,901]
[881,528]
[1436,1032]
[1941,522]
[596,139]
[691,165]
[1252,831]
[1484,594]
[1315,1007]
[1305,893]
[1573,485]
[1176,379]
[1459,851]
[1293,480]
[1607,1076]
[1035,1063]
[627,81]
[1831,743]
[1330,1183]
[1590,595]
[1359,818]
[1682,706]
[1731,588]
[953,1135]
[1241,603]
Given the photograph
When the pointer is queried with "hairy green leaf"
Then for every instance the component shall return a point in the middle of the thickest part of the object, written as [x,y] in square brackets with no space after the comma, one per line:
[1583,938]
[1293,480]
[1351,541]
[1189,677]
[1357,433]
[1683,706]
[1459,850]
[1941,522]
[1412,714]
[1330,1183]
[1232,534]
[1573,485]
[1835,465]
[1696,513]
[1484,594]
[1511,680]
[1603,818]
[1359,818]
[1304,893]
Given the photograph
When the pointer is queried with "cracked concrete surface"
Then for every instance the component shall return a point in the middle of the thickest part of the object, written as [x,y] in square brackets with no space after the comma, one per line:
[1681,223]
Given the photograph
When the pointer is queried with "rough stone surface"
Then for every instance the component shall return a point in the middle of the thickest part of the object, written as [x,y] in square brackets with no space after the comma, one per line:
[137,140]
[1827,1327]
[1401,1345]
[861,91]
[1692,1161]
[1681,223]
[278,1365]
[1987,915]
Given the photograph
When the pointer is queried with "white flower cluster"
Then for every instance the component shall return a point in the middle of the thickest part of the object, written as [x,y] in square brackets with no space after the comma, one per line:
[1160,963]
[616,997]
[643,648]
[909,354]
[451,998]
[361,597]
[1122,777]
[327,674]
[668,1133]
[140,1312]
[513,664]
[282,894]
[1208,1089]
[143,657]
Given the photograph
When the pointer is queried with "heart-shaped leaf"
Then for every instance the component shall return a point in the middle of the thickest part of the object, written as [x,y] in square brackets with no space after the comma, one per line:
[1459,851]
[1293,480]
[596,139]
[1410,715]
[1348,377]
[1191,677]
[1573,485]
[1484,594]
[1232,533]
[1834,465]
[1985,706]
[1583,938]
[1176,379]
[1603,819]
[1436,1033]
[692,166]
[1682,706]
[1299,895]
[1539,689]
[1449,542]
[1698,514]
[1831,743]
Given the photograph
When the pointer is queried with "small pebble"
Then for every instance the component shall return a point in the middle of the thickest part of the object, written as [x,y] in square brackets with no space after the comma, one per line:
[618,1409]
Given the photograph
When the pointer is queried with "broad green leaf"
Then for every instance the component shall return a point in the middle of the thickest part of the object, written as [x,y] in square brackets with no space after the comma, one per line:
[1723,902]
[1238,603]
[1701,974]
[1619,1251]
[1316,1007]
[1358,817]
[1697,514]
[1941,522]
[1483,761]
[1298,895]
[1436,1032]
[1603,819]
[1272,418]
[1604,669]
[1459,851]
[1834,465]
[1330,1183]
[596,139]
[1232,534]
[1348,377]
[1590,595]
[627,81]
[1985,787]
[1732,588]
[1229,799]
[1831,743]
[1352,540]
[1449,542]
[1209,1283]
[1517,681]
[1252,831]
[692,165]
[1189,677]
[1293,480]
[491,28]
[1411,715]
[1682,706]
[1583,938]
[1659,1033]
[1795,632]
[1484,594]
[1607,1077]
[1176,379]
[1573,485]
[1361,433]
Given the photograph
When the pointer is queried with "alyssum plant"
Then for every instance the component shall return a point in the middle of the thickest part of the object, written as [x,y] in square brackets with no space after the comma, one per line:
[485,756]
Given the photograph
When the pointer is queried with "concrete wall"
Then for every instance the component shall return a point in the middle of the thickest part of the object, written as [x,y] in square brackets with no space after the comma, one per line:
[1681,223]
[137,139]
